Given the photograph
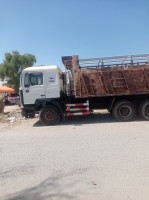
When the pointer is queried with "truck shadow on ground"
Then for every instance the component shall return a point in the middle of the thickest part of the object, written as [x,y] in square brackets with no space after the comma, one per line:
[60,185]
[88,119]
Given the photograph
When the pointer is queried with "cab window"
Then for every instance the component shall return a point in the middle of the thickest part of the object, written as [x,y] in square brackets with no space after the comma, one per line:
[36,79]
[33,79]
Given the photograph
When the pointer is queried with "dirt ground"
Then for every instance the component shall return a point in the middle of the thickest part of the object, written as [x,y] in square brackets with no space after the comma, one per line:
[11,117]
[11,108]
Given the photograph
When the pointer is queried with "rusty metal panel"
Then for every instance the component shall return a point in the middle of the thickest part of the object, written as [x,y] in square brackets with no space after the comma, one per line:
[67,61]
[118,82]
[146,73]
[107,83]
[77,75]
[128,79]
[138,80]
[129,82]
[92,84]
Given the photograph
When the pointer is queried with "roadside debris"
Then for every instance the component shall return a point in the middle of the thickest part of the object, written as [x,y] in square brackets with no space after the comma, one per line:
[10,116]
[93,182]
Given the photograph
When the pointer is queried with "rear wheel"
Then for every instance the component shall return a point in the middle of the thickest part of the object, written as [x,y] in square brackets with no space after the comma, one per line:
[49,115]
[124,111]
[144,109]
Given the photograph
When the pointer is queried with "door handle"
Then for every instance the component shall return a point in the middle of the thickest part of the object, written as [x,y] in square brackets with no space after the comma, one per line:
[43,95]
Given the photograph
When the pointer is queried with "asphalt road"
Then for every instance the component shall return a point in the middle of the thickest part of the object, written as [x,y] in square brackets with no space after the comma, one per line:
[87,158]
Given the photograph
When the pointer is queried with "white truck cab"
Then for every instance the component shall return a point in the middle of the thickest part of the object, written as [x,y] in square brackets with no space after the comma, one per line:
[41,82]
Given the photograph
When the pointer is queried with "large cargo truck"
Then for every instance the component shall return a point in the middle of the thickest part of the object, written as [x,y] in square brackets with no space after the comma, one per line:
[119,84]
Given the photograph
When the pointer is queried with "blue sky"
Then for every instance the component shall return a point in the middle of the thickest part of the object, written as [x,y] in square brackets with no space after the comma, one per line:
[50,29]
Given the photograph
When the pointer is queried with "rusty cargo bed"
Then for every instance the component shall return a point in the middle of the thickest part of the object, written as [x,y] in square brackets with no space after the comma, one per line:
[110,76]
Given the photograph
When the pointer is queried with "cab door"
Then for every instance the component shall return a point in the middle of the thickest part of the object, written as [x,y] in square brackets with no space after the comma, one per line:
[34,87]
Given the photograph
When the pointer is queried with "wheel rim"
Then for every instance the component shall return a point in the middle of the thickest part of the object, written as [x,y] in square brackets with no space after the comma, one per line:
[49,116]
[125,111]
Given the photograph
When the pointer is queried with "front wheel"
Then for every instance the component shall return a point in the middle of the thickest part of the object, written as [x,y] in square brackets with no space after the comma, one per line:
[49,115]
[144,109]
[124,111]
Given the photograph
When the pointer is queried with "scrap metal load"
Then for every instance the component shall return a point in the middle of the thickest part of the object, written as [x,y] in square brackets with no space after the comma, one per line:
[109,76]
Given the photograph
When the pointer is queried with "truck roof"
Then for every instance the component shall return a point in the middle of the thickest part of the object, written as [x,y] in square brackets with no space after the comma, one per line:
[43,68]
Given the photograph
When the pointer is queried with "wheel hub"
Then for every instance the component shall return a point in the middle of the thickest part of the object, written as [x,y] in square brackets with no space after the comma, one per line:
[125,111]
[49,116]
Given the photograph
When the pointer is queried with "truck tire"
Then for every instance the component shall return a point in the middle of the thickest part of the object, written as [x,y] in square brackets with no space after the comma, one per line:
[144,109]
[49,115]
[124,111]
[2,105]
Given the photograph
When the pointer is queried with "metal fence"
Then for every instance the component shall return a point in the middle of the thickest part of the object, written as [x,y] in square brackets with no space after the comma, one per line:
[114,61]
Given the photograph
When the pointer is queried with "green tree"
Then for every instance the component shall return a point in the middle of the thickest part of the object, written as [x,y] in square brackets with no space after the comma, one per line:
[10,67]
